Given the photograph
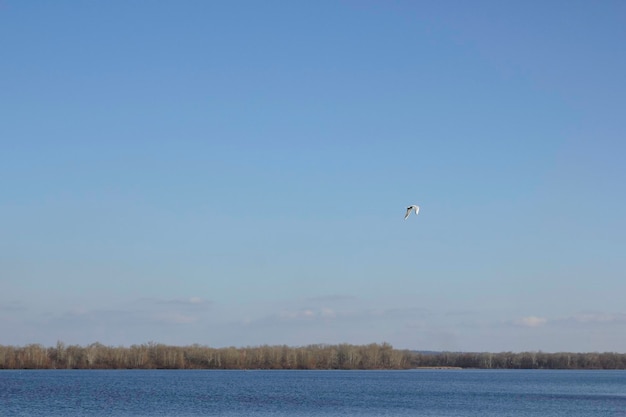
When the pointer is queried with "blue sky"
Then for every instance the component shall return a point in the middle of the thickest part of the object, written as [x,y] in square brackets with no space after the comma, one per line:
[236,173]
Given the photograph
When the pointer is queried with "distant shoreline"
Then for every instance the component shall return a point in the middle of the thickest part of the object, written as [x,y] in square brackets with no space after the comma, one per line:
[373,356]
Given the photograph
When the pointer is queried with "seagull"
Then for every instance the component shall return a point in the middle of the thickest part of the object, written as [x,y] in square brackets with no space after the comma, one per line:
[409,208]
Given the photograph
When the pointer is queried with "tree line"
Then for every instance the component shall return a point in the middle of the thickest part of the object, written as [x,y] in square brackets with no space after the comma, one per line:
[341,356]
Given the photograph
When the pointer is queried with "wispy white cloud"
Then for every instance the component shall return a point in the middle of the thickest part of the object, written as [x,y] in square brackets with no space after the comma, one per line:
[174,318]
[578,319]
[307,314]
[197,300]
[531,321]
[596,318]
[145,311]
[328,314]
[341,298]
[189,301]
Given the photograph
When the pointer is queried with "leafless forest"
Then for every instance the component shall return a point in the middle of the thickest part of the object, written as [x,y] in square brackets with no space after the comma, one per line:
[342,356]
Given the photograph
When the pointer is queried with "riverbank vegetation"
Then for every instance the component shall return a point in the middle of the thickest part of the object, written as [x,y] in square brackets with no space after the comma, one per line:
[342,356]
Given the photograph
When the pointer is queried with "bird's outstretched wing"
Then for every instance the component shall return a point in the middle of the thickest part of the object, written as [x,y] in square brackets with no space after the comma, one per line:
[408,211]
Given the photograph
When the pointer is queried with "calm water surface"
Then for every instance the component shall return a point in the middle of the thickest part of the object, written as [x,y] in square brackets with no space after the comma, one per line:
[433,393]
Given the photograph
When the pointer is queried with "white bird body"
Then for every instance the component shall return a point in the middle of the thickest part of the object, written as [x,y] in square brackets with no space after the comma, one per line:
[409,208]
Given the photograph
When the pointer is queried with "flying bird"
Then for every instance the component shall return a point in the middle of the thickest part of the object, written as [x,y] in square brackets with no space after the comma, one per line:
[409,208]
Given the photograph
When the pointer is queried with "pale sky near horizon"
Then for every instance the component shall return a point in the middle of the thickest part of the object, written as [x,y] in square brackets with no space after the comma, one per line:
[236,173]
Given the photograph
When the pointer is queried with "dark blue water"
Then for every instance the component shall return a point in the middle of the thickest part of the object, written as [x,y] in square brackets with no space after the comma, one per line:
[433,393]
